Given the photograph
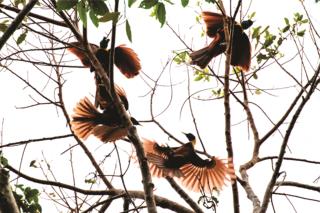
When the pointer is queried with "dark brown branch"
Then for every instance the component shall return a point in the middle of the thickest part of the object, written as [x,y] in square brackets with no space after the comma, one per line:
[16,22]
[35,140]
[228,37]
[160,201]
[34,15]
[299,185]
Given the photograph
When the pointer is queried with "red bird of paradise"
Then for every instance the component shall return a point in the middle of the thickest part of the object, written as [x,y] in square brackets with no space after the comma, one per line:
[194,172]
[105,125]
[125,58]
[241,47]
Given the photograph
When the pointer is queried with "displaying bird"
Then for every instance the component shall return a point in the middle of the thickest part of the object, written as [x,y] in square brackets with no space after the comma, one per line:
[105,125]
[195,173]
[241,47]
[125,58]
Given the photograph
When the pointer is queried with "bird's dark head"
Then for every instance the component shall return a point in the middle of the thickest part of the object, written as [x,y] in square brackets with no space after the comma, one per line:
[104,43]
[191,138]
[134,121]
[246,24]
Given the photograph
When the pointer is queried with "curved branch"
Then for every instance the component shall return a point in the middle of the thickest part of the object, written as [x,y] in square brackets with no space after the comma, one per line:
[160,201]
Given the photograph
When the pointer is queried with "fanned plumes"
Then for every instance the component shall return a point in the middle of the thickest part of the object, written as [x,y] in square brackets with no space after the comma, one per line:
[83,119]
[241,47]
[208,178]
[106,126]
[77,49]
[109,133]
[127,61]
[195,173]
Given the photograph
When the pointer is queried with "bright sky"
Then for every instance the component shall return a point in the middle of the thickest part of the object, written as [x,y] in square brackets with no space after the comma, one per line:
[154,46]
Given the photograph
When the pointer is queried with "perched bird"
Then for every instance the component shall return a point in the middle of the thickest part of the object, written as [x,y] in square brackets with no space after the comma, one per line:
[125,58]
[183,162]
[105,125]
[241,47]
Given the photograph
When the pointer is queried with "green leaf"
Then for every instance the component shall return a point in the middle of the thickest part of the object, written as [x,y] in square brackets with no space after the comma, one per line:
[147,4]
[94,18]
[255,76]
[131,2]
[128,31]
[256,32]
[198,78]
[161,13]
[286,20]
[99,7]
[66,4]
[110,17]
[81,8]
[22,37]
[91,181]
[3,161]
[252,15]
[286,28]
[184,3]
[301,33]
[3,27]
[258,91]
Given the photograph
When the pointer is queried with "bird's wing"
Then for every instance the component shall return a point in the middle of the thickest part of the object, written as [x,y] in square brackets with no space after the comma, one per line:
[241,49]
[213,176]
[213,21]
[127,61]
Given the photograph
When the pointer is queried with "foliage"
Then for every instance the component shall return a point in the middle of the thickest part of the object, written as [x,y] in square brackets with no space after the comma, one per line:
[27,199]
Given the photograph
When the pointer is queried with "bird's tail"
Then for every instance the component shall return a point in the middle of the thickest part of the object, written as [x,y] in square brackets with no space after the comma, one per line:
[203,56]
[83,119]
[207,178]
[109,133]
[157,161]
[127,61]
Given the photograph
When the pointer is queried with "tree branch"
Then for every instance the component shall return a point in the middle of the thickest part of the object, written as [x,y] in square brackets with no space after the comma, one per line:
[16,22]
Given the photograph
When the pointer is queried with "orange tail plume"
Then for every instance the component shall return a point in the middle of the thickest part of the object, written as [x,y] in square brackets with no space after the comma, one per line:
[208,178]
[83,119]
[109,133]
[78,50]
[203,56]
[127,61]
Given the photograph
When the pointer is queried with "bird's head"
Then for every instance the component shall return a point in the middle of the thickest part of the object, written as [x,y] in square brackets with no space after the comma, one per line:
[246,24]
[191,138]
[104,43]
[134,121]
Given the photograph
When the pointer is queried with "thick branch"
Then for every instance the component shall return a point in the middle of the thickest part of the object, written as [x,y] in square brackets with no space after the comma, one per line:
[7,202]
[226,90]
[16,22]
[34,15]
